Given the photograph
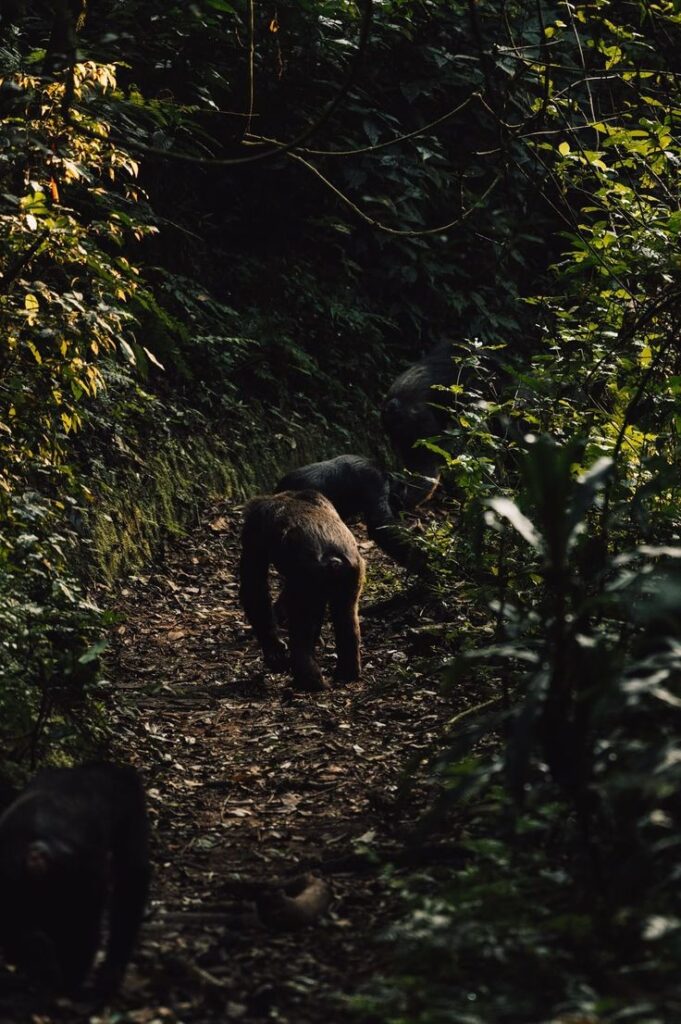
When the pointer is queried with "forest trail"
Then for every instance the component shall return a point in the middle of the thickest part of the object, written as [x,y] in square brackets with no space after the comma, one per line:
[246,784]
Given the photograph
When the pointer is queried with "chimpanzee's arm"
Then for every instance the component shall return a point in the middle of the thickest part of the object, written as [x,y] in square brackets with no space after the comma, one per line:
[387,532]
[130,874]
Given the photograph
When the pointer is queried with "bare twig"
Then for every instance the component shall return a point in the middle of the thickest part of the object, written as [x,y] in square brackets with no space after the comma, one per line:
[403,233]
[201,975]
[20,261]
[251,64]
[398,139]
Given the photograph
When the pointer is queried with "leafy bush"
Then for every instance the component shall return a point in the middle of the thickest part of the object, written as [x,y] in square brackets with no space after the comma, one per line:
[569,904]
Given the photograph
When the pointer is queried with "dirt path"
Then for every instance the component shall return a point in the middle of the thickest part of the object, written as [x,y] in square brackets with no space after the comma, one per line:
[246,784]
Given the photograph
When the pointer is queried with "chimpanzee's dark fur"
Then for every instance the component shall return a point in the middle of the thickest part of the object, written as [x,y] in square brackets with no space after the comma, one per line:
[409,412]
[354,485]
[302,536]
[358,489]
[73,845]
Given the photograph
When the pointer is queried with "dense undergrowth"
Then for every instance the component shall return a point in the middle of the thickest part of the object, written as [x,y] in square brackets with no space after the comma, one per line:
[503,174]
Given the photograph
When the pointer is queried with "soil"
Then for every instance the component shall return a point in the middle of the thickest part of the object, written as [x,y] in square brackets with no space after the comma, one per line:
[250,785]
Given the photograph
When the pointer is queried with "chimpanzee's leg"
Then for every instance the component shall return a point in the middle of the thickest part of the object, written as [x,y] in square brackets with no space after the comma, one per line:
[78,936]
[130,885]
[385,529]
[256,598]
[343,604]
[305,609]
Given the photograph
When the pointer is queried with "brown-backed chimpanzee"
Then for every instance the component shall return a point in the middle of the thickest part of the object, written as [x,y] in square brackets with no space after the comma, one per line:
[73,845]
[303,537]
[358,489]
[410,411]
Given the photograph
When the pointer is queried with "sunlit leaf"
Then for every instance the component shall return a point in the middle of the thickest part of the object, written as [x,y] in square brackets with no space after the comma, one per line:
[509,510]
[127,351]
[152,358]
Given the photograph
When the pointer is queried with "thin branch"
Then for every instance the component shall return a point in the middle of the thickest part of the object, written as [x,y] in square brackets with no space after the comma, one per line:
[20,261]
[199,974]
[471,711]
[400,138]
[406,233]
[621,435]
[640,391]
[543,51]
[628,330]
[484,56]
[198,161]
[251,64]
[572,222]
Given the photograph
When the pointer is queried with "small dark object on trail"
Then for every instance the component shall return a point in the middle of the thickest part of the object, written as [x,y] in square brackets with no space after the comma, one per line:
[358,489]
[73,845]
[299,904]
[410,412]
[302,535]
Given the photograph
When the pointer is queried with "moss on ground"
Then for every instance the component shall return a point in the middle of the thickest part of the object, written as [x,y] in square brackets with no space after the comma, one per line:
[140,502]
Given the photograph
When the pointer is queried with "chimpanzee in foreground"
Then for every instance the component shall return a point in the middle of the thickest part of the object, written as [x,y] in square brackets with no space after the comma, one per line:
[73,845]
[360,490]
[410,410]
[302,536]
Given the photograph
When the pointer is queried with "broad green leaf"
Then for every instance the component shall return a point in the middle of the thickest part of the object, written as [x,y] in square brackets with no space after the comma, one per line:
[509,510]
[127,351]
[152,358]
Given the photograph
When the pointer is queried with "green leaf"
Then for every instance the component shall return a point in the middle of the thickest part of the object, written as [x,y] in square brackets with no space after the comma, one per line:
[93,652]
[127,351]
[509,510]
[586,490]
[152,358]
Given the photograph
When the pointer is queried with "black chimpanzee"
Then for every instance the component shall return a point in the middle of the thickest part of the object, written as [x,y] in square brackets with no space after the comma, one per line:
[302,535]
[410,410]
[358,489]
[73,845]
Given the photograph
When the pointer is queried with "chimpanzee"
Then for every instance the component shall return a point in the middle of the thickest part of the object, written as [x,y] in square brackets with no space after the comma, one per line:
[409,412]
[73,845]
[360,490]
[302,535]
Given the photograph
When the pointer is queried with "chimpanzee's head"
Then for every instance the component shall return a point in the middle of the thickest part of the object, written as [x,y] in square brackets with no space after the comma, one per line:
[407,422]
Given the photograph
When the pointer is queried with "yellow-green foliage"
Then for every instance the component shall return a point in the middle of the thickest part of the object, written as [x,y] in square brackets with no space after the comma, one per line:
[63,297]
